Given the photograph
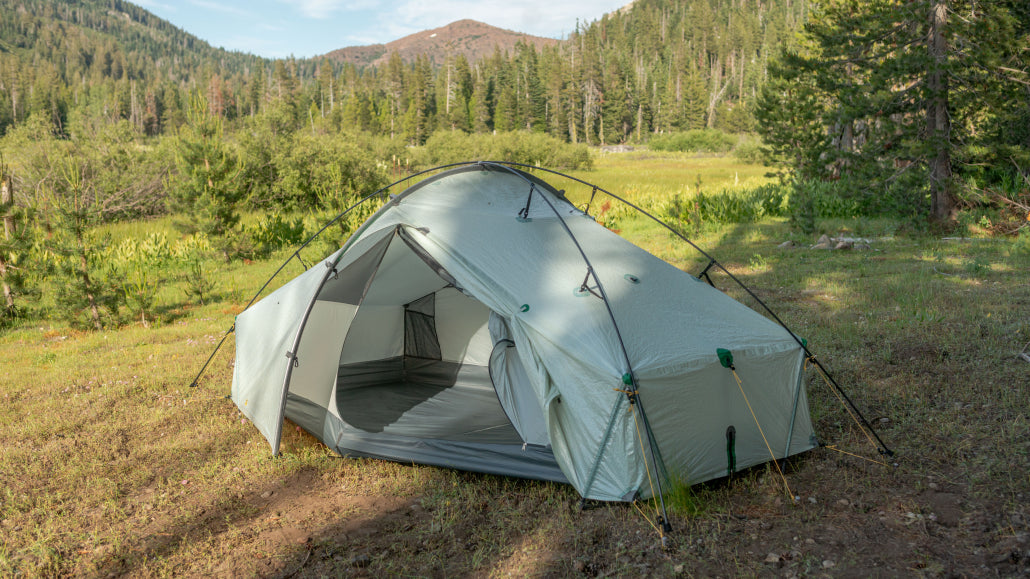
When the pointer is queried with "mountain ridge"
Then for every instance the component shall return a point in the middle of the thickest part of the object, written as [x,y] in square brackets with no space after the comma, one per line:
[471,38]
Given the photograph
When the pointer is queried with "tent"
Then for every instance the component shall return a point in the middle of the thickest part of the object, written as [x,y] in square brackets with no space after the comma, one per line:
[480,321]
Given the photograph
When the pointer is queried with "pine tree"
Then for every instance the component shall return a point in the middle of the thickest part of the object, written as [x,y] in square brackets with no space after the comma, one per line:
[15,242]
[791,110]
[907,83]
[84,289]
[206,186]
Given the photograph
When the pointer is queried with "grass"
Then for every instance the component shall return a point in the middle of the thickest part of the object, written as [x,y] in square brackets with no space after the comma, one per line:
[111,464]
[644,174]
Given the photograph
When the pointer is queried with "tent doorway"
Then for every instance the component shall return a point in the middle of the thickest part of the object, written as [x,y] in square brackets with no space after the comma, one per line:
[416,358]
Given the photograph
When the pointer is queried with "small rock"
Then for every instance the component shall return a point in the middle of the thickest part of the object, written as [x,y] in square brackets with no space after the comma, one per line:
[823,239]
[809,541]
[822,246]
[787,245]
[885,420]
[844,245]
[933,486]
[678,569]
[812,500]
[772,558]
[361,560]
[579,566]
[267,494]
[828,564]
[844,502]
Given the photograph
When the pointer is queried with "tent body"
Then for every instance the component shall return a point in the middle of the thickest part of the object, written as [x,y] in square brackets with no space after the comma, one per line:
[480,321]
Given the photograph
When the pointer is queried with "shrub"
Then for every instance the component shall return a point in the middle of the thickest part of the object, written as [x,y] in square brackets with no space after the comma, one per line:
[749,150]
[140,267]
[730,205]
[192,253]
[274,232]
[695,141]
[314,167]
[536,149]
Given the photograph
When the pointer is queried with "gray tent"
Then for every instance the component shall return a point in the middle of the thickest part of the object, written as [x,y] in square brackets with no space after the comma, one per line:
[480,321]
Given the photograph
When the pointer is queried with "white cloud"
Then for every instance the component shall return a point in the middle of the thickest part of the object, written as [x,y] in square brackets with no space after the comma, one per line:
[321,9]
[219,7]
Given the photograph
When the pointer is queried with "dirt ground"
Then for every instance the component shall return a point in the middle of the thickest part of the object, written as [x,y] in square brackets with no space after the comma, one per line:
[854,519]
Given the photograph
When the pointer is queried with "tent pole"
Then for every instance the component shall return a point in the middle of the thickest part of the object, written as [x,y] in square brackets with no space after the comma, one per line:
[885,450]
[634,396]
[296,253]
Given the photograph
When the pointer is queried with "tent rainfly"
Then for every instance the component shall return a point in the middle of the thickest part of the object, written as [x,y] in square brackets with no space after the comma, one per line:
[480,321]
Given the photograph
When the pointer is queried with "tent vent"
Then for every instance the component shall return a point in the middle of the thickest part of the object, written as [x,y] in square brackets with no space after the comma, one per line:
[420,337]
[631,278]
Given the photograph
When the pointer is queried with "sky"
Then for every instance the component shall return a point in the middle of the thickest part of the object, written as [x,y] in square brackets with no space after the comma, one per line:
[305,28]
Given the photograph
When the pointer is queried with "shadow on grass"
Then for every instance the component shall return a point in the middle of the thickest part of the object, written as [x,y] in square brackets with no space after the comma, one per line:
[921,353]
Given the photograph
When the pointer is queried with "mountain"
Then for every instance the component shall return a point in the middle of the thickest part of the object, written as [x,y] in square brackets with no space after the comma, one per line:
[109,39]
[473,39]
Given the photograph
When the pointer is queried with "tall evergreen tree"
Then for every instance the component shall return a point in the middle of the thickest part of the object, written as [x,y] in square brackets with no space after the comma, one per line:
[206,186]
[906,83]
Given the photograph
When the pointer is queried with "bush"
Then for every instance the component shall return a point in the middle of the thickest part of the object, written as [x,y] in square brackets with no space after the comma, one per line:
[275,232]
[730,205]
[1021,245]
[313,167]
[695,141]
[140,267]
[535,149]
[749,150]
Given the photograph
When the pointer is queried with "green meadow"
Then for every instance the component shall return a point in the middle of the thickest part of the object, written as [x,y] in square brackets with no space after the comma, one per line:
[112,465]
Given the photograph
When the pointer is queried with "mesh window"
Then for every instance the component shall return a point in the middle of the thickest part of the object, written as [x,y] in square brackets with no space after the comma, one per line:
[420,339]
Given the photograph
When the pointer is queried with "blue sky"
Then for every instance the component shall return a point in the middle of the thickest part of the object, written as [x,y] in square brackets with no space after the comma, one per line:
[303,28]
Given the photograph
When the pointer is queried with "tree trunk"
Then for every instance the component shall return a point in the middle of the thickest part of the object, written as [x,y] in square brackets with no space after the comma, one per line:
[6,201]
[938,123]
[87,283]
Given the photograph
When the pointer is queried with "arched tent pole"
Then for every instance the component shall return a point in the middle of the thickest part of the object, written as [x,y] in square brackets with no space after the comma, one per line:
[296,252]
[712,261]
[629,379]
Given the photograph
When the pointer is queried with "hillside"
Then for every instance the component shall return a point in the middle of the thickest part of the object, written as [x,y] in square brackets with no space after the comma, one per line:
[473,39]
[653,67]
[96,39]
